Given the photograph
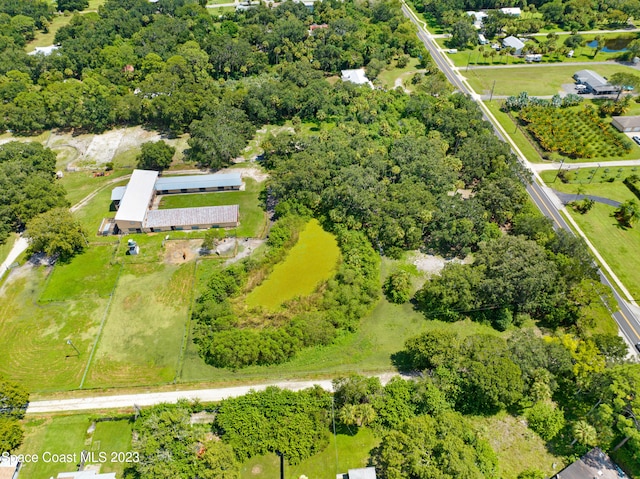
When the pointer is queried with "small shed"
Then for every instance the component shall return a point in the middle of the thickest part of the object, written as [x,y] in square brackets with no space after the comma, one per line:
[626,123]
[515,43]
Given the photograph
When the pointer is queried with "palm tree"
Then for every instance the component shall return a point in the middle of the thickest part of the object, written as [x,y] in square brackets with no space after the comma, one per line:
[627,213]
[584,433]
[365,414]
[348,415]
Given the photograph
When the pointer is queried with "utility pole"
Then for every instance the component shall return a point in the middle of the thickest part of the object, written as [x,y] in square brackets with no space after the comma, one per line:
[594,173]
[559,170]
[281,454]
[492,88]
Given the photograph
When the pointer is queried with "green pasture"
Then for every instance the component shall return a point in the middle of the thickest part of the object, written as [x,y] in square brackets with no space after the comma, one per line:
[58,435]
[344,452]
[69,435]
[90,273]
[593,181]
[535,80]
[518,448]
[43,39]
[79,184]
[252,216]
[112,436]
[91,214]
[34,337]
[617,246]
[144,328]
[311,261]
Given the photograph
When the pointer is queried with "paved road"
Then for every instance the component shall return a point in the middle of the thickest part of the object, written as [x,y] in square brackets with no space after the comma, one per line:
[542,65]
[567,198]
[128,401]
[542,196]
[573,166]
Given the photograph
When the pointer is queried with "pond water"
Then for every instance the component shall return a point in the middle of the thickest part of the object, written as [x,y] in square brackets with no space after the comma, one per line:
[612,45]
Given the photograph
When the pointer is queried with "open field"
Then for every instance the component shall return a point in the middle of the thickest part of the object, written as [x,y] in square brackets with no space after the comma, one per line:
[45,39]
[44,361]
[60,435]
[511,81]
[311,261]
[344,452]
[144,328]
[91,214]
[79,184]
[69,435]
[388,77]
[252,216]
[88,274]
[580,183]
[617,246]
[517,447]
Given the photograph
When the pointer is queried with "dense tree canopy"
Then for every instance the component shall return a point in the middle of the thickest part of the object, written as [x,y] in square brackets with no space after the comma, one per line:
[155,155]
[56,233]
[27,181]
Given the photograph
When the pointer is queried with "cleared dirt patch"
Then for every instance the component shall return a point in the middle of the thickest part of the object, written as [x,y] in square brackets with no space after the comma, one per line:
[181,251]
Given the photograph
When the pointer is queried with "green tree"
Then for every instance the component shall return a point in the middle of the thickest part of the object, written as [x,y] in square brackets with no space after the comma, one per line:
[217,461]
[463,33]
[56,233]
[546,419]
[13,404]
[628,213]
[212,238]
[624,81]
[532,474]
[584,433]
[448,441]
[397,287]
[155,155]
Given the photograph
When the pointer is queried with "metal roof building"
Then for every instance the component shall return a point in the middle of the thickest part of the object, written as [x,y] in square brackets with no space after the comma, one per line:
[596,84]
[626,123]
[594,464]
[136,199]
[515,43]
[199,182]
[117,193]
[192,218]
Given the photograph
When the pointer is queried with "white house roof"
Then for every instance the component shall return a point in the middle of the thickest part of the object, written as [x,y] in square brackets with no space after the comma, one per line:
[511,11]
[513,42]
[44,50]
[207,215]
[357,76]
[198,181]
[590,77]
[90,474]
[135,201]
[363,473]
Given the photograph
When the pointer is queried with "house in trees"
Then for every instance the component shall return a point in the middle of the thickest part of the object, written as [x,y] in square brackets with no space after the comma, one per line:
[134,203]
[593,464]
[357,76]
[595,83]
[515,43]
[478,18]
[626,123]
[513,11]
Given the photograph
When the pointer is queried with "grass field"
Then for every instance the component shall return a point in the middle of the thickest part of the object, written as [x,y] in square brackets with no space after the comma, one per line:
[252,216]
[79,184]
[45,39]
[615,190]
[388,77]
[91,214]
[518,448]
[60,435]
[44,361]
[5,247]
[511,81]
[311,261]
[344,452]
[88,274]
[145,327]
[69,435]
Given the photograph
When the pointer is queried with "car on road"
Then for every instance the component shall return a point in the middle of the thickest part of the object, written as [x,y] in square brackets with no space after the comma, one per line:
[636,138]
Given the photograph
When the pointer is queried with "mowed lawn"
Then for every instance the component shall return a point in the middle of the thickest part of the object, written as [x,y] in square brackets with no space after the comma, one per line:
[344,452]
[619,247]
[311,261]
[69,435]
[252,216]
[90,273]
[34,336]
[58,435]
[145,327]
[535,80]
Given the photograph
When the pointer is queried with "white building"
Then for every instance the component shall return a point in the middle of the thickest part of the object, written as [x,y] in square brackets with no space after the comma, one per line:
[357,76]
[515,43]
[514,11]
[478,18]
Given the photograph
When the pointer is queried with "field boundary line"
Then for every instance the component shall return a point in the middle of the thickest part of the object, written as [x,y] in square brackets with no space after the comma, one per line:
[187,325]
[99,335]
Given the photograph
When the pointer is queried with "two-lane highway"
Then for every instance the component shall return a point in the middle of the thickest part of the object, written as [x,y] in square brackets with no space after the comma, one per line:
[627,320]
